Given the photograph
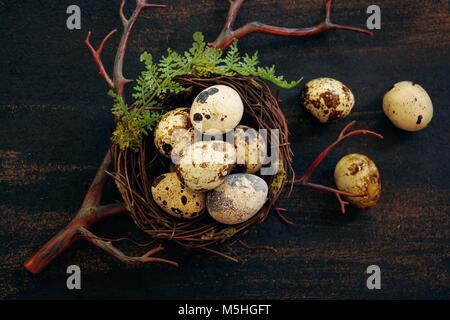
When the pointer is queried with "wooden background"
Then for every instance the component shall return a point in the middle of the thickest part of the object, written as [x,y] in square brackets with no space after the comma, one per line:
[55,126]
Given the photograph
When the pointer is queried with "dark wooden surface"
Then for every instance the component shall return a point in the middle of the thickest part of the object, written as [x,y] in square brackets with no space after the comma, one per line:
[55,126]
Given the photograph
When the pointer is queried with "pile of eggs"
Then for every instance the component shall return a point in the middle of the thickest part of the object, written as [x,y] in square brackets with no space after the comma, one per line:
[407,105]
[203,162]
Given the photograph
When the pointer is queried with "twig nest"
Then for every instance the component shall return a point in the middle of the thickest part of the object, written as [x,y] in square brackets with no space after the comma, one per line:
[357,174]
[170,128]
[203,165]
[217,110]
[408,106]
[251,148]
[238,199]
[175,199]
[328,99]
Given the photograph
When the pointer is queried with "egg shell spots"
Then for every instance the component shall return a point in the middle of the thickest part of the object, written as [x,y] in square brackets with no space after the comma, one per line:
[357,174]
[175,199]
[203,165]
[182,142]
[327,99]
[216,110]
[408,106]
[251,148]
[172,125]
[238,199]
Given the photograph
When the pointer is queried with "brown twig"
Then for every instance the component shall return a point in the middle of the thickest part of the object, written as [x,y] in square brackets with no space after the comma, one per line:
[344,134]
[107,246]
[96,55]
[128,24]
[228,35]
[280,212]
[91,211]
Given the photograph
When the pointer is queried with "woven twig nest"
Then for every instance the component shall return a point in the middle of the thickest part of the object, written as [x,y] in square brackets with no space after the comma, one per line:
[134,171]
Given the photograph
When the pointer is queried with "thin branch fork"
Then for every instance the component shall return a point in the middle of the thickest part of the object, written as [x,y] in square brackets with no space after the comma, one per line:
[228,35]
[96,55]
[118,82]
[343,135]
[128,24]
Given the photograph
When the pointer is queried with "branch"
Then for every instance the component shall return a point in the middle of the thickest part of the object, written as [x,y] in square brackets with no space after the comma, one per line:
[281,212]
[118,81]
[67,236]
[344,134]
[228,35]
[96,55]
[90,211]
[95,191]
[128,24]
[111,249]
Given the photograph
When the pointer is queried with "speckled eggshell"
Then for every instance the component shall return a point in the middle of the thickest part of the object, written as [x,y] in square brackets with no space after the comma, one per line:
[328,99]
[250,147]
[238,199]
[172,125]
[408,106]
[175,199]
[203,165]
[217,110]
[182,142]
[357,174]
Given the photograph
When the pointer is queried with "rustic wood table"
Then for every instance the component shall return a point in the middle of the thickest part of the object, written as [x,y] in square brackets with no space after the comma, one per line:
[55,125]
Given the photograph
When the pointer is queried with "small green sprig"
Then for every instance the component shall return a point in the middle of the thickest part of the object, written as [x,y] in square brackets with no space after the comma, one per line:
[160,79]
[133,123]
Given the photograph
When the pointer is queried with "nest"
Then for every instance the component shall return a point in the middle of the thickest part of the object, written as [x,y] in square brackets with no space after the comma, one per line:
[134,171]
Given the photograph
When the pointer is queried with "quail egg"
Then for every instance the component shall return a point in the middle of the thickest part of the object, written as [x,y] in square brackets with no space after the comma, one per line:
[408,106]
[182,141]
[203,165]
[175,199]
[250,147]
[357,174]
[217,110]
[238,199]
[172,125]
[328,99]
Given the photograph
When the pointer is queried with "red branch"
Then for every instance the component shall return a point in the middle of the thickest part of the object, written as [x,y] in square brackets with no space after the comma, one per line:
[344,134]
[128,24]
[91,211]
[281,212]
[96,55]
[228,35]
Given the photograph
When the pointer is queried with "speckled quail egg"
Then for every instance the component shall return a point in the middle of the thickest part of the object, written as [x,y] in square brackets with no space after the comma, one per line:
[328,99]
[172,124]
[175,199]
[217,110]
[250,147]
[357,174]
[408,106]
[238,199]
[182,141]
[203,165]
